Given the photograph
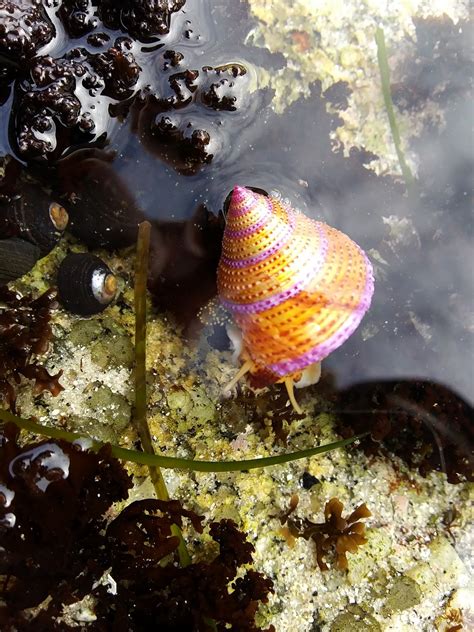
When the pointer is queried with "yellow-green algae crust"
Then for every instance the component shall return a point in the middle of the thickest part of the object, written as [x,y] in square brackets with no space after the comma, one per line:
[411,571]
[334,40]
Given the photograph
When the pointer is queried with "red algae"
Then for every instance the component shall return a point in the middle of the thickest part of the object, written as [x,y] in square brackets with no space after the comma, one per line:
[25,332]
[60,556]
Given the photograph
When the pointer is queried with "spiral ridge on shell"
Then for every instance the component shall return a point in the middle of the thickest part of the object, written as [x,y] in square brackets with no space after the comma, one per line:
[297,288]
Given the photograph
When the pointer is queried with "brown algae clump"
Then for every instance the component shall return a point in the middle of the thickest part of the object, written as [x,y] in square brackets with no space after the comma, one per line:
[25,332]
[335,534]
[59,541]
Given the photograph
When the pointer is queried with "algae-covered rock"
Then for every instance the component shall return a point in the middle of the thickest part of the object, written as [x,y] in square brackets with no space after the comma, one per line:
[442,572]
[379,546]
[109,344]
[110,405]
[355,620]
[406,555]
[332,42]
[84,331]
[113,350]
[104,415]
[403,594]
[179,400]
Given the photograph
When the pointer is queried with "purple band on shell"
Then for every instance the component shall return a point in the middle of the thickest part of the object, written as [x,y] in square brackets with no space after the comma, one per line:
[264,304]
[275,247]
[243,209]
[308,273]
[253,228]
[322,350]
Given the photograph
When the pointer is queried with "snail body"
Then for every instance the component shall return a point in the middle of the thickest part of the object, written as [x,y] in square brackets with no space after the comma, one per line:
[86,285]
[296,288]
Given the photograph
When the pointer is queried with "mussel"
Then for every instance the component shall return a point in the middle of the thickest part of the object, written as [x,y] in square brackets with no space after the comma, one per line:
[17,257]
[86,285]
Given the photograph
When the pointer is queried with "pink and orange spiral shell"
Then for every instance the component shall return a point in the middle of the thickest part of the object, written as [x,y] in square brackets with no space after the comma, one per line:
[296,288]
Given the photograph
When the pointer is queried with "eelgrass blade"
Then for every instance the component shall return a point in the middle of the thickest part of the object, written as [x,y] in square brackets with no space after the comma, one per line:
[387,96]
[141,403]
[157,460]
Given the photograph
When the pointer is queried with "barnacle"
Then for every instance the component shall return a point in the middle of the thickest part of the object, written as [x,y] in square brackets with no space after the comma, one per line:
[25,332]
[335,534]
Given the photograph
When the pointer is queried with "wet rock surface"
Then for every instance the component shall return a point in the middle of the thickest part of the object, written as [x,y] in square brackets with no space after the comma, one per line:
[190,417]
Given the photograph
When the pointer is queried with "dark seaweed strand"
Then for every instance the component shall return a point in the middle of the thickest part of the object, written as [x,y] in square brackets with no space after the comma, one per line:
[144,458]
[140,412]
[385,79]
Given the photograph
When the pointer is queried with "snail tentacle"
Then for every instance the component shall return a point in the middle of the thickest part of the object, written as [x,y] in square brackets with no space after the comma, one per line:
[245,368]
[289,383]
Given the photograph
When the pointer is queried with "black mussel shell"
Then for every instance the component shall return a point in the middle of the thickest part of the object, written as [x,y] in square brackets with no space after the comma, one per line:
[17,257]
[32,216]
[86,285]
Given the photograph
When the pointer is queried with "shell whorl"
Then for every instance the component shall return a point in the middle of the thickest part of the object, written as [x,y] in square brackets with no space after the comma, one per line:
[296,287]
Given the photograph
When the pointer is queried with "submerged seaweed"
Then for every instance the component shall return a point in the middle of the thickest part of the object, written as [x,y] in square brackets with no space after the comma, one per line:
[58,543]
[443,69]
[25,332]
[335,535]
[424,423]
[268,406]
[68,101]
[54,497]
[24,28]
[172,597]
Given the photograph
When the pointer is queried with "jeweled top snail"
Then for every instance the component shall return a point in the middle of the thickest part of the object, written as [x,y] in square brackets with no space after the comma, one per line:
[296,288]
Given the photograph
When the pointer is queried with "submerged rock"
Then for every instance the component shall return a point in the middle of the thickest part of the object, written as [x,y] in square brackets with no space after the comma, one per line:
[189,417]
